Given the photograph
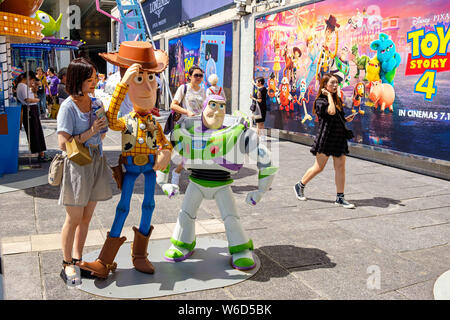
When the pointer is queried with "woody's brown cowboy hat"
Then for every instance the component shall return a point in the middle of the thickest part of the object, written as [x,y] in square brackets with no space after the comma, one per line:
[332,23]
[141,52]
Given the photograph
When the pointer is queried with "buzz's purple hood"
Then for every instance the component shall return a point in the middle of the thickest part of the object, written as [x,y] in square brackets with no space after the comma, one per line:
[205,104]
[212,97]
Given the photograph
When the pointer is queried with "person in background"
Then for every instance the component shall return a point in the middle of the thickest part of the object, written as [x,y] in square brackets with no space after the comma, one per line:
[62,93]
[101,81]
[53,82]
[126,107]
[214,89]
[188,101]
[260,98]
[30,114]
[82,186]
[42,89]
[330,140]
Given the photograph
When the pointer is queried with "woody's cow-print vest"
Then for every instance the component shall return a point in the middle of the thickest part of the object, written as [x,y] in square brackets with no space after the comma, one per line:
[129,136]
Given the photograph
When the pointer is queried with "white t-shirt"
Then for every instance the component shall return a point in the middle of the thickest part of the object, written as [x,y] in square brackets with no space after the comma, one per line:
[215,90]
[193,100]
[21,92]
[127,106]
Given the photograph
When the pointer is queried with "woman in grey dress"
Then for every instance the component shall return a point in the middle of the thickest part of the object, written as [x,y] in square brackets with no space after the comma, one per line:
[82,186]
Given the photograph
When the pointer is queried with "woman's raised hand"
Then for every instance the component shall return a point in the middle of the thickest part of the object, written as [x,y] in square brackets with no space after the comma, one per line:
[326,92]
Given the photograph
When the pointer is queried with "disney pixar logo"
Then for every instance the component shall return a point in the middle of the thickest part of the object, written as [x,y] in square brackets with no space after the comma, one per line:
[157,6]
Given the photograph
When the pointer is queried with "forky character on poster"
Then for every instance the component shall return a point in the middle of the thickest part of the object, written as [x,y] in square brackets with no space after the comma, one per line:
[286,100]
[303,101]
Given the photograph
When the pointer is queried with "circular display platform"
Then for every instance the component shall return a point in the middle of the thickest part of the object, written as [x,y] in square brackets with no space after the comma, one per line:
[208,268]
[441,290]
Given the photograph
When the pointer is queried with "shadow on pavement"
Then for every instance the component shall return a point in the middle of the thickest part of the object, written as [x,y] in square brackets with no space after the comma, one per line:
[289,257]
[379,202]
[245,172]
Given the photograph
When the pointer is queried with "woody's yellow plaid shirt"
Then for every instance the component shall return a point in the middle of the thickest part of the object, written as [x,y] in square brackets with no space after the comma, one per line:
[119,124]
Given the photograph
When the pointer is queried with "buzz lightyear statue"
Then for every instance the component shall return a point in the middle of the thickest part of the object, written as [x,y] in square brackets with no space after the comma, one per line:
[214,146]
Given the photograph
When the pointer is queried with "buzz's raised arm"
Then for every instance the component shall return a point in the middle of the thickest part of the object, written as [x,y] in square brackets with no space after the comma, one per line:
[258,152]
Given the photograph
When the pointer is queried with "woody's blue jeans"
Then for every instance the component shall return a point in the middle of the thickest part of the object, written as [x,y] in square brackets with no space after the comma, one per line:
[132,172]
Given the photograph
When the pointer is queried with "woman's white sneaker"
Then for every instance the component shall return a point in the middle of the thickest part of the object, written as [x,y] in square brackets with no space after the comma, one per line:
[344,203]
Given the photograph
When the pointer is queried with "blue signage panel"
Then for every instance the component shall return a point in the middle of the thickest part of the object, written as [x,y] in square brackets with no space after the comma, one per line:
[196,8]
[162,14]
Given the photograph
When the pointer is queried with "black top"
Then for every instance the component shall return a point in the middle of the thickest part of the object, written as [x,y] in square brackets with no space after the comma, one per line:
[262,93]
[210,175]
[330,138]
[62,93]
[263,104]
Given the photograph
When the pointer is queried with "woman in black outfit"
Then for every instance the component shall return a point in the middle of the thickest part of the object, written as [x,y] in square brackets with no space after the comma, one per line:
[30,114]
[260,98]
[330,139]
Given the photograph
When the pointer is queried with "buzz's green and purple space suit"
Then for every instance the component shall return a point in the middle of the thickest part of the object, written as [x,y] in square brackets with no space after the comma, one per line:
[212,156]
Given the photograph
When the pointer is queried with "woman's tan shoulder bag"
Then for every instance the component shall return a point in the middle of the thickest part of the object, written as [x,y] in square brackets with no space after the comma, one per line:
[56,170]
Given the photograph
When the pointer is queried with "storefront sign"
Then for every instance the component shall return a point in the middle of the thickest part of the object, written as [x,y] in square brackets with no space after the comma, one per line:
[162,14]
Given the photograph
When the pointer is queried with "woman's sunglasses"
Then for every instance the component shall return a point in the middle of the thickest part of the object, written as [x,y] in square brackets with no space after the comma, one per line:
[198,75]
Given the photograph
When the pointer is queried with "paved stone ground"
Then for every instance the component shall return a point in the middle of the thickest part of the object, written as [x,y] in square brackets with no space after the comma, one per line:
[394,245]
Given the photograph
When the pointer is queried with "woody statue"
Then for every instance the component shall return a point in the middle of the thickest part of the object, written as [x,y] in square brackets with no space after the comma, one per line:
[144,150]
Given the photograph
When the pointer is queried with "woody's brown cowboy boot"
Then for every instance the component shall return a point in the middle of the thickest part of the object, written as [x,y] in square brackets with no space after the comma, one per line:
[139,252]
[105,261]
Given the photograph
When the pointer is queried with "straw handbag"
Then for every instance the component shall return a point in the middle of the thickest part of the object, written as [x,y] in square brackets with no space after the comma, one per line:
[56,170]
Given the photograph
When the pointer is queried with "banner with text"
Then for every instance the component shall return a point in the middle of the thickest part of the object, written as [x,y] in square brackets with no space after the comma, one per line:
[391,59]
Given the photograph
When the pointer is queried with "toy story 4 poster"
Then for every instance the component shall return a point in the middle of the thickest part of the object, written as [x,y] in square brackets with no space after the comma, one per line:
[391,58]
[210,49]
